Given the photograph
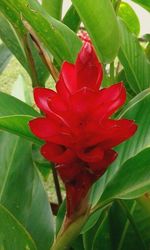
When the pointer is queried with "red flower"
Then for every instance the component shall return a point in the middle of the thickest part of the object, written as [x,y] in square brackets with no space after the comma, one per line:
[77,129]
[83,35]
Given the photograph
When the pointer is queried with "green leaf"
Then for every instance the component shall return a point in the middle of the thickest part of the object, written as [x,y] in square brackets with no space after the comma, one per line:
[5,56]
[10,105]
[42,164]
[53,7]
[122,78]
[10,38]
[89,236]
[131,180]
[91,221]
[40,220]
[60,216]
[125,221]
[134,61]
[78,244]
[138,110]
[16,43]
[144,3]
[134,226]
[129,16]
[102,237]
[146,37]
[15,116]
[72,19]
[12,234]
[18,125]
[21,191]
[147,51]
[101,23]
[55,36]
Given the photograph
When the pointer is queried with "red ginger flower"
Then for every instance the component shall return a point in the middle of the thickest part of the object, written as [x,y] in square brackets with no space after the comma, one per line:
[78,132]
[83,35]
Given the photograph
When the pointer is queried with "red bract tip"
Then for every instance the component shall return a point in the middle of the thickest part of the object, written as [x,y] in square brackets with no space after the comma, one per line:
[83,35]
[77,128]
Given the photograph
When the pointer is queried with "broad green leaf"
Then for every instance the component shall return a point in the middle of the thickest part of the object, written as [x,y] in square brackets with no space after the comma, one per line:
[138,110]
[89,236]
[42,72]
[136,226]
[12,234]
[16,175]
[101,23]
[5,56]
[60,216]
[10,38]
[10,105]
[102,239]
[53,7]
[134,61]
[129,16]
[144,202]
[122,78]
[147,51]
[42,164]
[15,116]
[18,125]
[40,220]
[72,19]
[13,38]
[43,210]
[144,3]
[78,244]
[55,36]
[146,37]
[131,180]
[21,191]
[125,221]
[91,221]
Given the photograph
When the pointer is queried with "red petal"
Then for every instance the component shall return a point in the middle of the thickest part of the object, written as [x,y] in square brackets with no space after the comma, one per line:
[68,172]
[89,72]
[57,153]
[58,105]
[83,100]
[115,132]
[41,97]
[94,154]
[67,81]
[100,167]
[50,130]
[109,101]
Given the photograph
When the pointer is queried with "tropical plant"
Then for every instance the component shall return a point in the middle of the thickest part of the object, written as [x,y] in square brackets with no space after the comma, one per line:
[90,129]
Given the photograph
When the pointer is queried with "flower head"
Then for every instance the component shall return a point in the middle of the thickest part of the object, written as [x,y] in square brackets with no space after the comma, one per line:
[83,35]
[77,128]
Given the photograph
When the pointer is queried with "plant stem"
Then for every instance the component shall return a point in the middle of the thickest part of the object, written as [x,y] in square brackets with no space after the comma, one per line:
[112,73]
[66,237]
[30,59]
[57,185]
[42,52]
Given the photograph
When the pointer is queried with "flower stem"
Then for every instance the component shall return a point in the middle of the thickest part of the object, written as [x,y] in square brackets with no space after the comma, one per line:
[69,234]
[112,72]
[30,59]
[57,185]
